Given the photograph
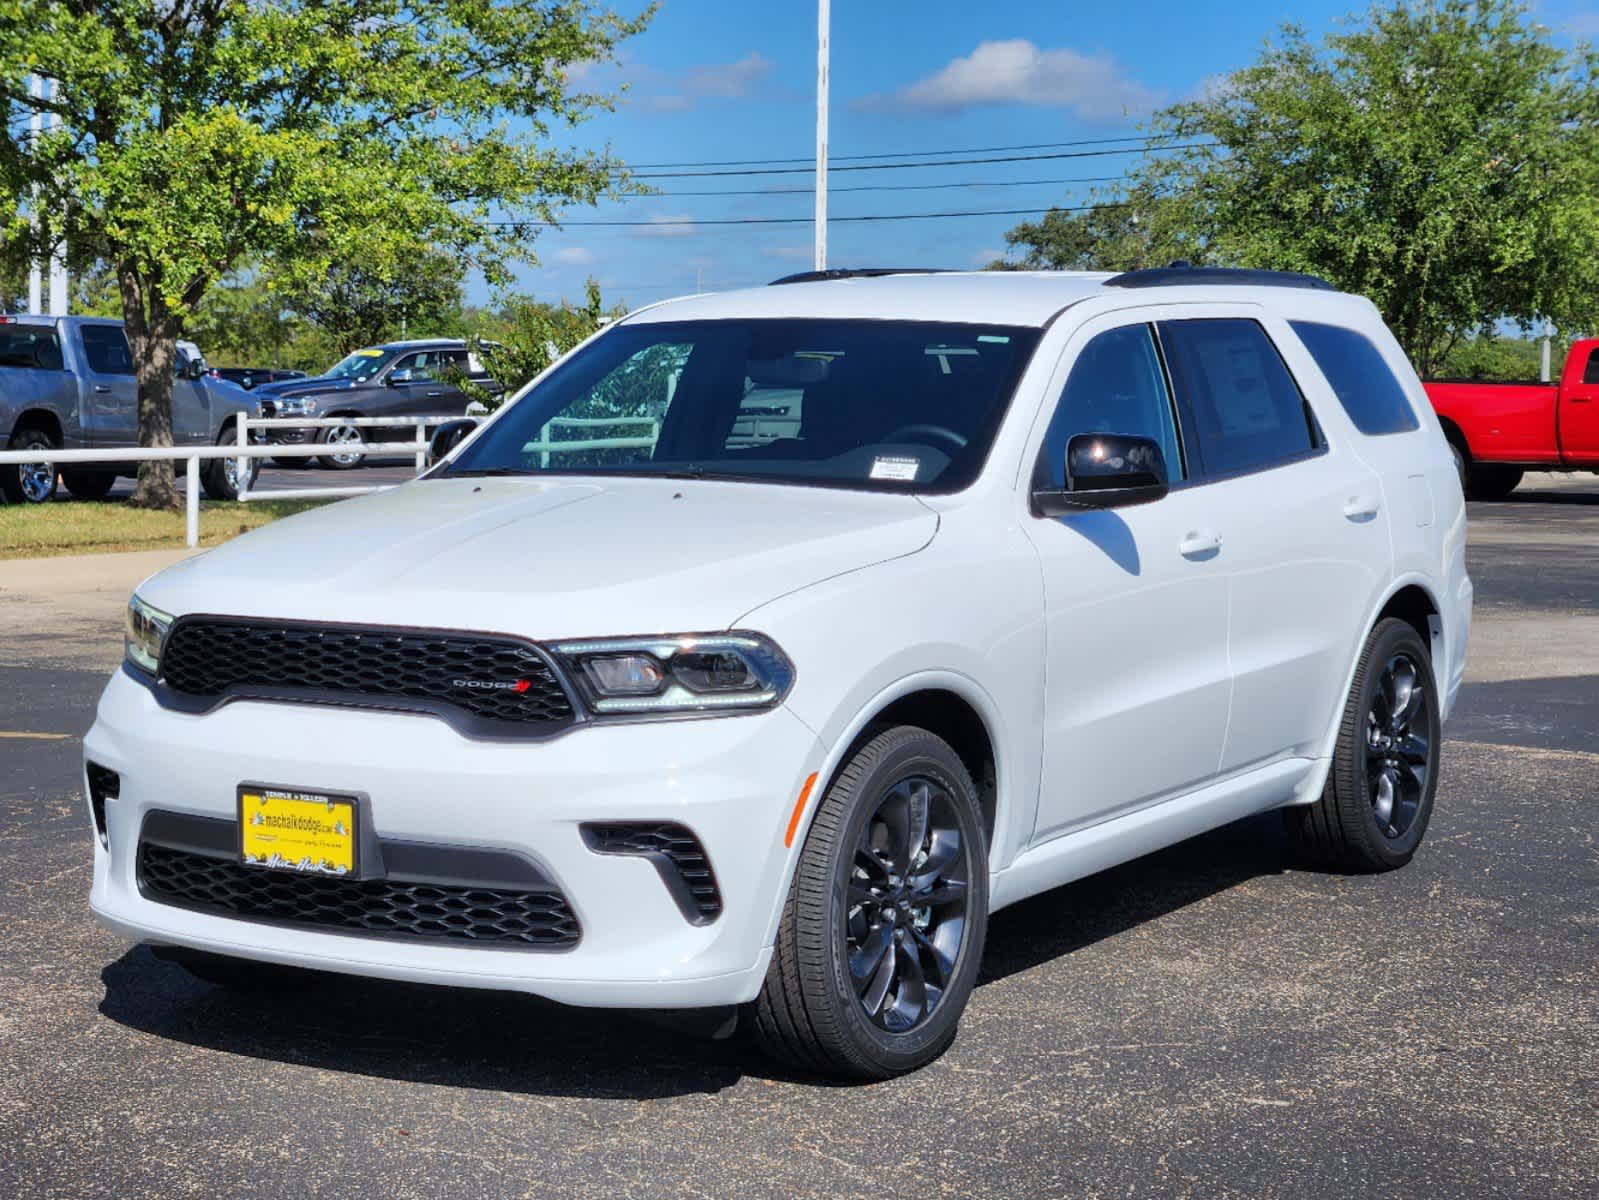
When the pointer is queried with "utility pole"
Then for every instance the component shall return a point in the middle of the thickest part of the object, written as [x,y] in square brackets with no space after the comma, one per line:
[59,301]
[823,21]
[1548,328]
[36,128]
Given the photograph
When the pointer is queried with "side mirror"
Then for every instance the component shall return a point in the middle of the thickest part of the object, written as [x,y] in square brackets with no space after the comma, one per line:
[1106,470]
[403,375]
[193,368]
[447,437]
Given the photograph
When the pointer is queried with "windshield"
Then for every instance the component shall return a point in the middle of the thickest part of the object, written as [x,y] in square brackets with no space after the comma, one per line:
[884,405]
[363,364]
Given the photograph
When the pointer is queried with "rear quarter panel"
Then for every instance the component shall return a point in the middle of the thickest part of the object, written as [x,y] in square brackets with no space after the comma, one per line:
[1501,422]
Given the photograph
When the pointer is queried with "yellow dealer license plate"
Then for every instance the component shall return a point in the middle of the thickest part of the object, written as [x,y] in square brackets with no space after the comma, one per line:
[289,830]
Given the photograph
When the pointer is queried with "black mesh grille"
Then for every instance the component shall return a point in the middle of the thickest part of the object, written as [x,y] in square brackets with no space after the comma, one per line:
[385,907]
[683,856]
[484,677]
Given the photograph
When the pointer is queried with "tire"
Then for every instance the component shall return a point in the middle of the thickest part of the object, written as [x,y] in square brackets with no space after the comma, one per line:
[239,974]
[1352,827]
[1491,483]
[30,483]
[810,1012]
[349,436]
[89,485]
[220,476]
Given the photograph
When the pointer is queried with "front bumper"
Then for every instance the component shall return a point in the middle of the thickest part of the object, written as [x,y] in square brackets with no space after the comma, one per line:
[732,781]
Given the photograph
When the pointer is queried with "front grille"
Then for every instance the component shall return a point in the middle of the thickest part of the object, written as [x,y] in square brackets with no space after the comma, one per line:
[678,856]
[452,674]
[383,907]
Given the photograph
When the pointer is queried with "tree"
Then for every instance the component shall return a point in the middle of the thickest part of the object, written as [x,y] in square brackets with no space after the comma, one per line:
[357,304]
[530,335]
[198,136]
[1117,231]
[1441,158]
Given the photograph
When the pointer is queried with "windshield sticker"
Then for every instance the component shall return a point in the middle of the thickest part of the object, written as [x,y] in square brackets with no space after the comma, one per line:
[895,468]
[993,337]
[370,353]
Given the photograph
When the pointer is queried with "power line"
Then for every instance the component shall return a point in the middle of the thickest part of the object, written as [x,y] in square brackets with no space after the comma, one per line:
[905,166]
[900,187]
[671,222]
[762,162]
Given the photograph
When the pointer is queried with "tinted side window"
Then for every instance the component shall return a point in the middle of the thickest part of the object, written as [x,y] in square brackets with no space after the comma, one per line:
[1246,408]
[1374,399]
[29,346]
[1116,385]
[1590,373]
[107,350]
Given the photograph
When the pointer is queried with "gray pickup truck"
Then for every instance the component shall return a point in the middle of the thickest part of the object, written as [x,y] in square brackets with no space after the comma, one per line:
[67,383]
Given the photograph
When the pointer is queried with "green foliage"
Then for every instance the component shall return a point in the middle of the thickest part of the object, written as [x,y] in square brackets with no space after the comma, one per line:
[1440,157]
[356,304]
[1120,231]
[528,336]
[1501,359]
[293,135]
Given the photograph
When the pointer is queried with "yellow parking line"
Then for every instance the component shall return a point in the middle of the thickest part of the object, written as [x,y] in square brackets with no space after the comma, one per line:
[42,737]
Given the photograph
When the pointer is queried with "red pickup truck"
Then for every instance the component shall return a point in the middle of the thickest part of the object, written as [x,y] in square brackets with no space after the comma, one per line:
[1499,430]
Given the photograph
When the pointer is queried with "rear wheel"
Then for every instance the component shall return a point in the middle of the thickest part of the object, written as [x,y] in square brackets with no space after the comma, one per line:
[89,485]
[1491,483]
[883,928]
[348,443]
[31,482]
[1379,793]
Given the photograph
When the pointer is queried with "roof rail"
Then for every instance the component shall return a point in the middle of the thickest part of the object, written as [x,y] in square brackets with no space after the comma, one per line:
[854,273]
[1184,272]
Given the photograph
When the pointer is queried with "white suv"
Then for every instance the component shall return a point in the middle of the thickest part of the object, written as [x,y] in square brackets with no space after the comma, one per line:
[769,642]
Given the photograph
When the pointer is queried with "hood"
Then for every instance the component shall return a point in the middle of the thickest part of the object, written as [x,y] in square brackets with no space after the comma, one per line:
[295,387]
[548,559]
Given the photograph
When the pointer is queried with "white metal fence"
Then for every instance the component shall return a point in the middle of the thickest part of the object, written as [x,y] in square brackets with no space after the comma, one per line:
[547,445]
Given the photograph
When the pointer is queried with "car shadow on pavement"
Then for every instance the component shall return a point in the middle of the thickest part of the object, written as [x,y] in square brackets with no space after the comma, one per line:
[1068,918]
[500,1041]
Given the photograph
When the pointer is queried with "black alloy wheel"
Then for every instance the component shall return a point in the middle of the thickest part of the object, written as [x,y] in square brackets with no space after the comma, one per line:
[883,929]
[908,898]
[1378,798]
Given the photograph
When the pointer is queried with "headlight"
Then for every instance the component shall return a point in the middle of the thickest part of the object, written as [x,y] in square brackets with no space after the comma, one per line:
[297,408]
[146,630]
[693,672]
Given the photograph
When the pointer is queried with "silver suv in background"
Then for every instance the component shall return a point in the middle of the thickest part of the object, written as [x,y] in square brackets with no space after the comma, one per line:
[67,383]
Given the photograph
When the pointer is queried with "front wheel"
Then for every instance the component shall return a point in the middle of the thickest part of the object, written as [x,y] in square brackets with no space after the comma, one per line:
[348,443]
[220,478]
[31,482]
[883,928]
[1379,793]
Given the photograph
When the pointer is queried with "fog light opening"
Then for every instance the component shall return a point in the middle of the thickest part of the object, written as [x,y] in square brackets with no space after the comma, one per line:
[104,784]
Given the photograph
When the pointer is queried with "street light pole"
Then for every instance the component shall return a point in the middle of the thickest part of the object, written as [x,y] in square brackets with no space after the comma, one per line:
[36,128]
[823,21]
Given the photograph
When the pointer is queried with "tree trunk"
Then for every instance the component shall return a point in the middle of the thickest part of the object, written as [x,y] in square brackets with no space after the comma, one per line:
[152,337]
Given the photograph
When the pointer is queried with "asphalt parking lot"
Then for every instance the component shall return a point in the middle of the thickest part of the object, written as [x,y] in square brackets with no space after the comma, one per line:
[1212,1020]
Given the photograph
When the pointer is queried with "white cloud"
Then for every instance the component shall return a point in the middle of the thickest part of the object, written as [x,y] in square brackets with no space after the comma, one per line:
[1016,71]
[574,256]
[729,81]
[983,257]
[669,225]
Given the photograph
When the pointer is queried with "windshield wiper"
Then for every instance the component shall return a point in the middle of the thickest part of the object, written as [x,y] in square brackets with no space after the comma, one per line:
[480,472]
[691,471]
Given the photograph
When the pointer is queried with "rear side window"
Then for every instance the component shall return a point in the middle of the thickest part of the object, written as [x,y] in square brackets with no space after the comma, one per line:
[1246,409]
[107,350]
[1590,374]
[29,346]
[1374,399]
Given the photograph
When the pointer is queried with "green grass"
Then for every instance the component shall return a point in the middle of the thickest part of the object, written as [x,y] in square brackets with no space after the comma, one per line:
[102,527]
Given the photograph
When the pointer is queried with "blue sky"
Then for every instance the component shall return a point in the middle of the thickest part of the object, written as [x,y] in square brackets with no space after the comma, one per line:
[725,80]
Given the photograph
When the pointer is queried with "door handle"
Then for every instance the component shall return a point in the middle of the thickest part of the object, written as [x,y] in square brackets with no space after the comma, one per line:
[103,389]
[1580,399]
[1200,544]
[434,395]
[1360,508]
